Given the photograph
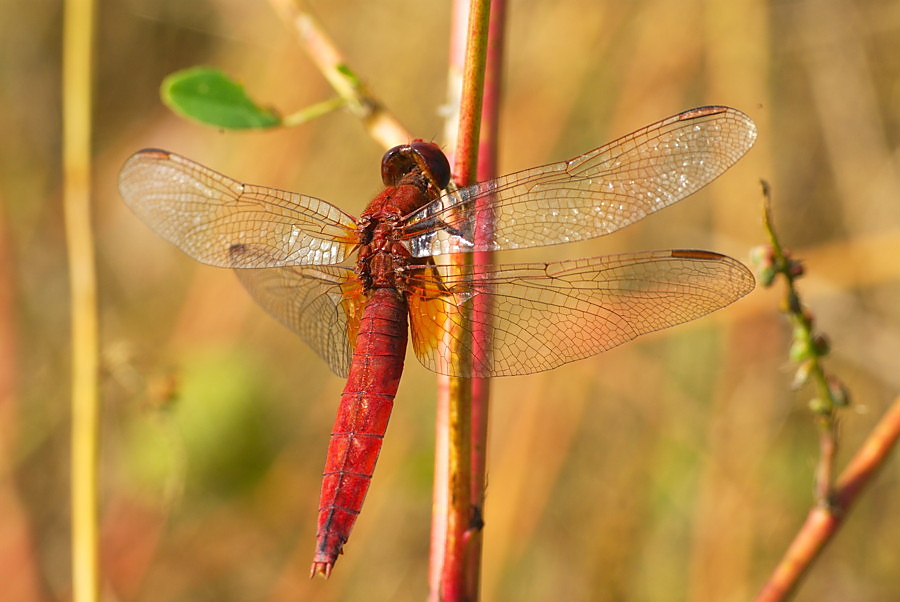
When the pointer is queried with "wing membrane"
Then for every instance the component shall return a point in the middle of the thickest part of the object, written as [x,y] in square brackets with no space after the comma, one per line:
[590,195]
[536,317]
[206,214]
[322,304]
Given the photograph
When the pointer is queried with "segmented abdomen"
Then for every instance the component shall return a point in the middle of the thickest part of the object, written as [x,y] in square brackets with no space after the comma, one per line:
[362,418]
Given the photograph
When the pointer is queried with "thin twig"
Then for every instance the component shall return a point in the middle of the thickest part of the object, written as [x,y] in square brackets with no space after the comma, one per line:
[315,111]
[381,125]
[77,77]
[807,350]
[823,522]
[832,502]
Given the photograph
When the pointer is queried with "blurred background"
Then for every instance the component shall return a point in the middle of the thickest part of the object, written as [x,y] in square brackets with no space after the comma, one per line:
[677,467]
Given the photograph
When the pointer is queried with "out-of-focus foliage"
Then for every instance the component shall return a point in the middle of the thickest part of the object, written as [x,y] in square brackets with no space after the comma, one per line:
[209,96]
[676,467]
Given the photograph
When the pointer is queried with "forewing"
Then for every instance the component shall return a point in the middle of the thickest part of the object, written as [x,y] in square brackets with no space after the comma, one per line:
[590,195]
[322,304]
[535,317]
[206,214]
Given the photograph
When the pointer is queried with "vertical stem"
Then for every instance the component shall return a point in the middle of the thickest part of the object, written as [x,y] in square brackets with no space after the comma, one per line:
[442,484]
[472,93]
[487,168]
[451,575]
[827,401]
[77,76]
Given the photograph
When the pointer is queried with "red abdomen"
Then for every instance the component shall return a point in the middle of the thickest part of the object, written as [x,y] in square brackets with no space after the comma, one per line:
[361,421]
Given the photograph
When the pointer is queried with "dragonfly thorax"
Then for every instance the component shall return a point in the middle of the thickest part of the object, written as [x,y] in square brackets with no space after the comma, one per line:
[382,254]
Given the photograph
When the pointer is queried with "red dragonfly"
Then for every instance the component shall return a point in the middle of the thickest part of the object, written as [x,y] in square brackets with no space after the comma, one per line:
[293,254]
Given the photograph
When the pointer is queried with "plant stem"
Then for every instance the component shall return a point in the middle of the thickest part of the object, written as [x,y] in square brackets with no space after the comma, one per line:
[459,484]
[827,400]
[77,77]
[823,521]
[378,121]
[487,168]
[314,111]
[466,156]
[832,502]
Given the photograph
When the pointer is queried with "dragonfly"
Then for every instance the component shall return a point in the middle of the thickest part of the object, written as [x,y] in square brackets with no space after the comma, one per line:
[355,289]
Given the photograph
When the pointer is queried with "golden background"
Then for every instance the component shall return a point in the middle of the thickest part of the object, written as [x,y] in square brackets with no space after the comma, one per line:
[675,468]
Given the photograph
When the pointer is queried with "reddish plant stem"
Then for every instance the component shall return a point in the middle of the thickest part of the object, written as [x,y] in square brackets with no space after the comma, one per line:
[451,577]
[823,521]
[487,168]
[466,158]
[442,485]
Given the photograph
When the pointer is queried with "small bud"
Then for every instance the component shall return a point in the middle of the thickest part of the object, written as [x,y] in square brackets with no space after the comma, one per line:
[821,345]
[766,275]
[762,256]
[762,259]
[818,406]
[800,351]
[801,376]
[796,268]
[759,255]
[839,393]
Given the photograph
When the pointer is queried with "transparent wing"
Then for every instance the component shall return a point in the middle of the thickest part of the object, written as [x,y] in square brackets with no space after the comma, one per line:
[590,195]
[206,213]
[323,304]
[535,317]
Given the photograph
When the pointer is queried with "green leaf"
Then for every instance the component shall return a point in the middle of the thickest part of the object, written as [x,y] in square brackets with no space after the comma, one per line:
[211,97]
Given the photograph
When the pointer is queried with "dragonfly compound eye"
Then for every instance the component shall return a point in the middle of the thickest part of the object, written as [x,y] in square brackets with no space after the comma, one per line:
[419,156]
[434,161]
[395,164]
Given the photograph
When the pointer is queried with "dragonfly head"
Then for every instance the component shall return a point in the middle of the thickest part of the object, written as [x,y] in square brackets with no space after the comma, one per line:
[417,158]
